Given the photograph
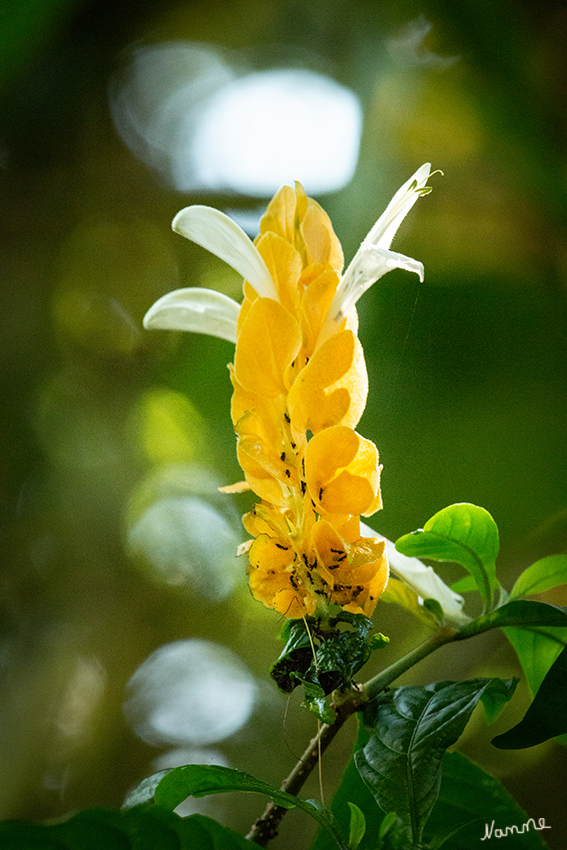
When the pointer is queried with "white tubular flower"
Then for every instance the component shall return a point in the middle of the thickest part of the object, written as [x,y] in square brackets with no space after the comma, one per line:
[220,235]
[210,312]
[422,580]
[203,311]
[374,258]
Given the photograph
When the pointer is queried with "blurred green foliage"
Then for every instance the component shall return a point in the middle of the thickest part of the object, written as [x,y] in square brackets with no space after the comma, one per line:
[468,373]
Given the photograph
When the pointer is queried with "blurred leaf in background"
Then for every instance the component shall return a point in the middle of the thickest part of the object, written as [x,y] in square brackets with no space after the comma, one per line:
[113,441]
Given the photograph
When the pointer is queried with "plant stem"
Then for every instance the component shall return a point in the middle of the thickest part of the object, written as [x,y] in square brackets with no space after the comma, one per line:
[371,688]
[266,826]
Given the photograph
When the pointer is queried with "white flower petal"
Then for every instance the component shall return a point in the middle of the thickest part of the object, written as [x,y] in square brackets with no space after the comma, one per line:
[374,259]
[220,235]
[369,265]
[423,580]
[385,228]
[194,309]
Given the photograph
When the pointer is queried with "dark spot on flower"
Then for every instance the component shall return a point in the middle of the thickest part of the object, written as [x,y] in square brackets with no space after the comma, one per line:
[281,546]
[288,473]
[282,456]
[303,488]
[286,417]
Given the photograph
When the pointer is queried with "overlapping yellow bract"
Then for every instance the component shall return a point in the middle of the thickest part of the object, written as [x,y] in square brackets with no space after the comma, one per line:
[297,400]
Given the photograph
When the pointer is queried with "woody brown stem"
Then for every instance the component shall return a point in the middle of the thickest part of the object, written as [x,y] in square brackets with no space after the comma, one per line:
[266,827]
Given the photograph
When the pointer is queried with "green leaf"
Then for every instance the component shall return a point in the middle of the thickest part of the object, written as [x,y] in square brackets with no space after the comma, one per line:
[464,534]
[470,800]
[543,575]
[520,612]
[138,828]
[317,701]
[200,780]
[466,584]
[536,649]
[409,729]
[357,826]
[547,715]
[495,698]
[295,658]
[342,646]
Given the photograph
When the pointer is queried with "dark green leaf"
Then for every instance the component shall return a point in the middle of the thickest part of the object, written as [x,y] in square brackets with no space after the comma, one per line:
[520,612]
[547,715]
[139,828]
[295,658]
[470,800]
[543,575]
[201,833]
[19,835]
[409,729]
[200,780]
[464,534]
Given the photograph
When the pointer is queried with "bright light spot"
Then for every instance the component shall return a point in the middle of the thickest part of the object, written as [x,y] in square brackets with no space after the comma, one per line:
[187,541]
[191,692]
[183,109]
[275,127]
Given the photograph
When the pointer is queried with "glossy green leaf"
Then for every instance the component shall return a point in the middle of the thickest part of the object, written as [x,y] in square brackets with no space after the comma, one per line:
[543,575]
[537,650]
[295,659]
[464,534]
[547,715]
[201,780]
[520,612]
[470,802]
[409,729]
[357,826]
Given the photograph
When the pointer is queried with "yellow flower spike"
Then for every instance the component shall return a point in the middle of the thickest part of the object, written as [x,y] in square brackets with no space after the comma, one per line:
[332,388]
[269,340]
[342,472]
[300,388]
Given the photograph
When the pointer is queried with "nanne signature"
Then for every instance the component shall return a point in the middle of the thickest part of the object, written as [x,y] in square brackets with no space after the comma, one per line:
[490,832]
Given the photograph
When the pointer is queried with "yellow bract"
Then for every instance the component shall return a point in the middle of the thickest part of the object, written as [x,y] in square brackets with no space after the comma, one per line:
[297,399]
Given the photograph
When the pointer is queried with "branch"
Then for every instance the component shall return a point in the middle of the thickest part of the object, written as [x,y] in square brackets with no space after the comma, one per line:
[266,827]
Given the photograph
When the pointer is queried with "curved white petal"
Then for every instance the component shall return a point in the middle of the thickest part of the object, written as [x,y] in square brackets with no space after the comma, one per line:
[423,580]
[373,259]
[194,309]
[369,264]
[220,235]
[385,228]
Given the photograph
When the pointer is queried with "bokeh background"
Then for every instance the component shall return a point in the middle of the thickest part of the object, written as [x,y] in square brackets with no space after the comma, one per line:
[129,641]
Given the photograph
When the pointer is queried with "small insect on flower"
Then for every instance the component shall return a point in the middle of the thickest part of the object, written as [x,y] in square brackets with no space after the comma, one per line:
[299,389]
